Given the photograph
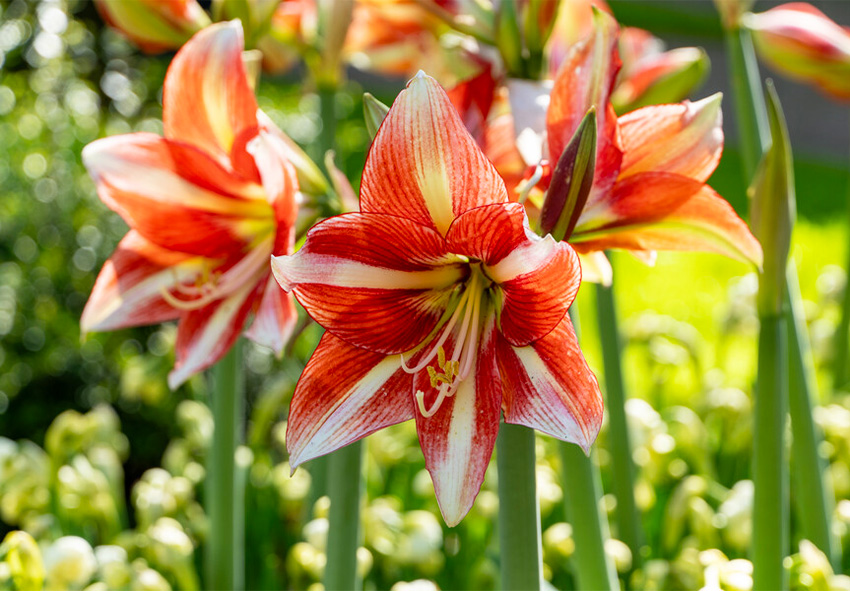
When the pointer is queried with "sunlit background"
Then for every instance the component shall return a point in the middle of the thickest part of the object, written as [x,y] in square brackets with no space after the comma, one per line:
[95,445]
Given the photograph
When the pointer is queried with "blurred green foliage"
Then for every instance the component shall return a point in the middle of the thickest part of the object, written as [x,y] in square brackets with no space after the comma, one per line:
[103,466]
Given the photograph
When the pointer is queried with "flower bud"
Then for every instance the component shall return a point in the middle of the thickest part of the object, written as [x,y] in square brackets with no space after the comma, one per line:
[571,181]
[659,77]
[69,562]
[153,25]
[21,554]
[773,210]
[801,42]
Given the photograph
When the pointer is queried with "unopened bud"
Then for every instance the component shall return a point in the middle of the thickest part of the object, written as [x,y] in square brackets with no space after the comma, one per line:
[571,182]
[23,558]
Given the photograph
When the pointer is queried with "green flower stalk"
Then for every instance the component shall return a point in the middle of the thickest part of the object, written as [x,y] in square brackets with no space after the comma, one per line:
[773,213]
[814,504]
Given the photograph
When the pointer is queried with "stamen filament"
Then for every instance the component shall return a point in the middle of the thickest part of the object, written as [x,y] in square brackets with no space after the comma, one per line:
[439,344]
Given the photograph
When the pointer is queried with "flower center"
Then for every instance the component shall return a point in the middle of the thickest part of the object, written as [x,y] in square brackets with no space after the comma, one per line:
[450,372]
[212,284]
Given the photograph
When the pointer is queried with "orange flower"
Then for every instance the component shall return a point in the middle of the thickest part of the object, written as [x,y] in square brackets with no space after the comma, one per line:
[207,205]
[154,25]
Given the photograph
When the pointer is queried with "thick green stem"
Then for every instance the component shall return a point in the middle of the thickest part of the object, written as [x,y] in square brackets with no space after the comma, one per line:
[841,348]
[582,486]
[753,131]
[628,519]
[770,465]
[519,510]
[225,558]
[582,492]
[813,491]
[344,489]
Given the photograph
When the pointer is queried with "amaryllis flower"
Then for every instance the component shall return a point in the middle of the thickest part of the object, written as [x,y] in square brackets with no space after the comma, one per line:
[207,205]
[154,25]
[801,42]
[649,190]
[440,304]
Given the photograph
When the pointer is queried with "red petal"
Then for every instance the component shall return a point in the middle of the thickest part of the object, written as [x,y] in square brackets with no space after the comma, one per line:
[205,335]
[128,290]
[660,211]
[140,176]
[424,165]
[473,98]
[344,394]
[206,99]
[275,319]
[686,139]
[377,281]
[585,80]
[549,387]
[537,278]
[458,439]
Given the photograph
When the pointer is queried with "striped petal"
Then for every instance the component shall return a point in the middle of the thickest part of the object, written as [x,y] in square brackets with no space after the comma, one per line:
[375,281]
[128,290]
[661,211]
[275,319]
[141,176]
[423,165]
[344,394]
[586,80]
[205,335]
[280,184]
[549,387]
[537,278]
[685,138]
[458,439]
[206,99]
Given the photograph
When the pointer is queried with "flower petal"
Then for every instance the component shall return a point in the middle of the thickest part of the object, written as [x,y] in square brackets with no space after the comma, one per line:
[537,278]
[685,138]
[205,335]
[140,176]
[549,387]
[458,439]
[586,80]
[128,290]
[280,184]
[473,99]
[661,211]
[275,319]
[344,394]
[376,281]
[206,99]
[424,165]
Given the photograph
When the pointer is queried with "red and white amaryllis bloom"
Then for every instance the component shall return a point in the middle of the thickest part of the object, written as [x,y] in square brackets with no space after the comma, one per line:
[649,189]
[207,205]
[440,304]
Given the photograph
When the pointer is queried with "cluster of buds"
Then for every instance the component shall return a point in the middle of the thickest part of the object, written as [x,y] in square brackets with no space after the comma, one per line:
[158,494]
